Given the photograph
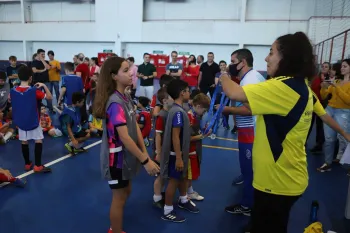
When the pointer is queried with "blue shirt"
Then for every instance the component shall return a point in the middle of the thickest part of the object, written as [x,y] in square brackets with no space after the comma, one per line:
[177,122]
[72,83]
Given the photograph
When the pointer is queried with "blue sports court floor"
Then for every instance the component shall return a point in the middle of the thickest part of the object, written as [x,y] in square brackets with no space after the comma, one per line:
[74,198]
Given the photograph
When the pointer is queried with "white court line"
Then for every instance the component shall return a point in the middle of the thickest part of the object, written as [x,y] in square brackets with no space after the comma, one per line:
[53,162]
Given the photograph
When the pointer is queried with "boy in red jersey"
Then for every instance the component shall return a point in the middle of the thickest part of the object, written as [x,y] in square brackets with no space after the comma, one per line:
[200,104]
[26,116]
[144,119]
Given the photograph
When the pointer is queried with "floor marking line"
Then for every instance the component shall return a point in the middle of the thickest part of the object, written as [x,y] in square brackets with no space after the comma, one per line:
[220,147]
[226,139]
[58,160]
[95,144]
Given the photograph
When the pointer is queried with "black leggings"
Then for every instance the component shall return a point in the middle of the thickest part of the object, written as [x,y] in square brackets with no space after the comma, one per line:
[270,212]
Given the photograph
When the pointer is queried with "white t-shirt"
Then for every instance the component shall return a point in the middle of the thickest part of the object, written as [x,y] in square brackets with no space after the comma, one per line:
[251,77]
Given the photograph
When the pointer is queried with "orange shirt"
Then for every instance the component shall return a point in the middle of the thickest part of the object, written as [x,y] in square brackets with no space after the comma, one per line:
[54,74]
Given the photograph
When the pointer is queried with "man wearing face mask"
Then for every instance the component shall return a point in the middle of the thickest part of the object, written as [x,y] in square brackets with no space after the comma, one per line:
[242,67]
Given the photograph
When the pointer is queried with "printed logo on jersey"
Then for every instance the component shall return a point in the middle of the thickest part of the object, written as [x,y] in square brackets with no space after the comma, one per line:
[248,154]
[178,117]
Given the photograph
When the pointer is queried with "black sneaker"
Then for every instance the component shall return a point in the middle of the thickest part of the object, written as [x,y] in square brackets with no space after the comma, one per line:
[173,217]
[324,168]
[234,130]
[238,209]
[189,206]
[159,204]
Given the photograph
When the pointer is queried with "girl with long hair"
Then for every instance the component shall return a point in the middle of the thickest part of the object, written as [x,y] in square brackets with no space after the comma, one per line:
[122,148]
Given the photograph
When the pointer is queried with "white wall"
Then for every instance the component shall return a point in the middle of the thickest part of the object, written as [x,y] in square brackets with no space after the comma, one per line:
[10,12]
[192,9]
[114,24]
[280,9]
[9,48]
[61,11]
[221,52]
[64,51]
[259,55]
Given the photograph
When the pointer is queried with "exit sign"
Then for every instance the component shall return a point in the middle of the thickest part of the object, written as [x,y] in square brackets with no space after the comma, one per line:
[158,52]
[108,51]
[184,53]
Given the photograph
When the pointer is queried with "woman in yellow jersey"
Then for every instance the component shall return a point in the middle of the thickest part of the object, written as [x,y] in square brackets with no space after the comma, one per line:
[284,106]
[338,108]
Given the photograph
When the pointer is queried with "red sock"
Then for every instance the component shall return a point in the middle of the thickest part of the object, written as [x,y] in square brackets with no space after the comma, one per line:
[4,178]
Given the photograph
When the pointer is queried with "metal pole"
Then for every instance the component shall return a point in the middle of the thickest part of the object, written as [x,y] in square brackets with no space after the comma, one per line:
[330,54]
[344,46]
[322,53]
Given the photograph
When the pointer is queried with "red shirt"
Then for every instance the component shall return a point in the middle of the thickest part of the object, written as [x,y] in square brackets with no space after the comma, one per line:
[85,74]
[316,86]
[193,121]
[192,79]
[144,119]
[154,101]
[160,127]
[236,80]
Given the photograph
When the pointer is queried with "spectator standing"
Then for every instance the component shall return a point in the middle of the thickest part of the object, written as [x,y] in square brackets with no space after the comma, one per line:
[146,72]
[54,76]
[174,68]
[206,80]
[12,72]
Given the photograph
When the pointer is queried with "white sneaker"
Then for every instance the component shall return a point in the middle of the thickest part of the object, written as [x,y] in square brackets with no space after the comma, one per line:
[195,196]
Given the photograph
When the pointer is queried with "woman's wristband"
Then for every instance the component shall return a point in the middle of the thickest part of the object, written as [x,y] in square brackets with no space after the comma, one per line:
[145,162]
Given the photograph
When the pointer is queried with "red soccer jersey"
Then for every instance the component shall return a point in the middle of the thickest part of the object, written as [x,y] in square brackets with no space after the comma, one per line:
[154,101]
[85,74]
[160,127]
[144,119]
[193,121]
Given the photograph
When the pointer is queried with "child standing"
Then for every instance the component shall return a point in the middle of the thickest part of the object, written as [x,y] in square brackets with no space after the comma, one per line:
[167,102]
[71,124]
[122,148]
[12,72]
[144,118]
[26,117]
[70,83]
[200,105]
[175,152]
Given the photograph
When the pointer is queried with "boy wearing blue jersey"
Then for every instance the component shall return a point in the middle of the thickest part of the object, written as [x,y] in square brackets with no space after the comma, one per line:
[175,152]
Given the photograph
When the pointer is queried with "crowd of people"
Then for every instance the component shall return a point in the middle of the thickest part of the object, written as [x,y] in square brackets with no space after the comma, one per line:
[117,102]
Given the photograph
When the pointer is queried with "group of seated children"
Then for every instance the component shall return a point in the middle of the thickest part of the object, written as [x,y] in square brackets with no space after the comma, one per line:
[178,138]
[26,101]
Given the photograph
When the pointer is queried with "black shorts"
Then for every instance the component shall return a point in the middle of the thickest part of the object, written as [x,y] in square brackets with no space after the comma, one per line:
[80,134]
[117,181]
